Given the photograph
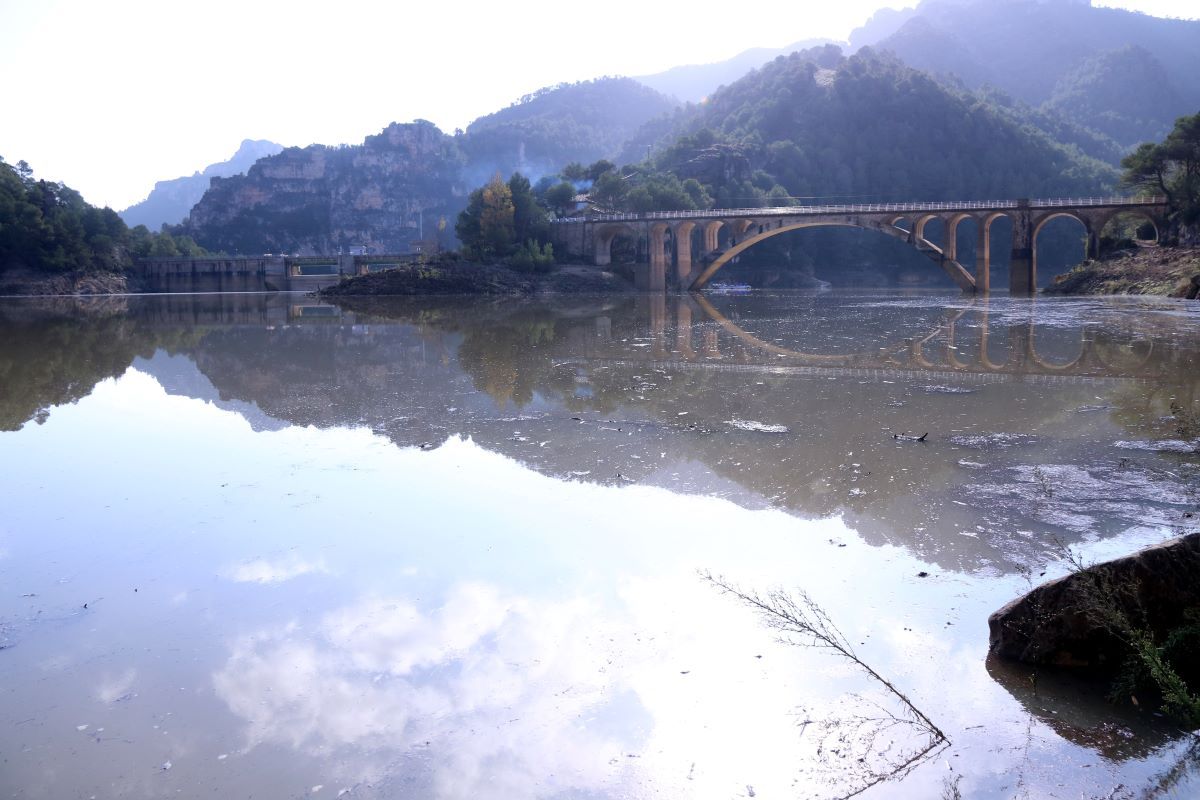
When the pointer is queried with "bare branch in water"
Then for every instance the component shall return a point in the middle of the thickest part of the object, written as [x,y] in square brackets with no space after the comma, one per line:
[799,620]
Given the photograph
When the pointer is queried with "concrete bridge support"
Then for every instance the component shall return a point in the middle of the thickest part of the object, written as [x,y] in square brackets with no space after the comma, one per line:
[683,252]
[1022,267]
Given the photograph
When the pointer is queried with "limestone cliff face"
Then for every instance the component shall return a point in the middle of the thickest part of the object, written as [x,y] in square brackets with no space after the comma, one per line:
[383,195]
[395,188]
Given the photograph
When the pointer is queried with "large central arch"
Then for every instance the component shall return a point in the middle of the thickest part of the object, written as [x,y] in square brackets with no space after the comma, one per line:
[952,268]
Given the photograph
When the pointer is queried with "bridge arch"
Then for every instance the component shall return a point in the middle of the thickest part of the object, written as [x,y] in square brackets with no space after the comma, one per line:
[1101,227]
[950,244]
[921,222]
[960,277]
[712,232]
[604,241]
[1040,222]
[737,249]
[983,249]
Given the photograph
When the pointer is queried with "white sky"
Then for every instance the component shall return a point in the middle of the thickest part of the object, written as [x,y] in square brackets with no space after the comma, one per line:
[110,96]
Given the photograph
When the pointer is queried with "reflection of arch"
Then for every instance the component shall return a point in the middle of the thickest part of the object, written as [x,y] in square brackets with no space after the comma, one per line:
[752,340]
[952,268]
[1084,346]
[1020,345]
[1101,352]
[604,240]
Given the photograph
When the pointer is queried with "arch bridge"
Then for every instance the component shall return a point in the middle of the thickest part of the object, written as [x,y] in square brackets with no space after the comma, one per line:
[685,249]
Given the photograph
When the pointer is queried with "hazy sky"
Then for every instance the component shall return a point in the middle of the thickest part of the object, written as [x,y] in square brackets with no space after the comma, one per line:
[111,96]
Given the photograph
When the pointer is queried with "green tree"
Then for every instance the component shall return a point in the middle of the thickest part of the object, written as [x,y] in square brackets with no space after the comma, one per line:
[49,227]
[598,169]
[561,198]
[575,172]
[1171,168]
[608,192]
[486,226]
[529,218]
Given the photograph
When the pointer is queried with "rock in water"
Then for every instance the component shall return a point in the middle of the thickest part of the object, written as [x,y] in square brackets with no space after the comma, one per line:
[1074,621]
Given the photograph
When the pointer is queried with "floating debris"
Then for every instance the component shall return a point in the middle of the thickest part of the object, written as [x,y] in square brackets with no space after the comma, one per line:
[989,440]
[758,427]
[1162,446]
[938,389]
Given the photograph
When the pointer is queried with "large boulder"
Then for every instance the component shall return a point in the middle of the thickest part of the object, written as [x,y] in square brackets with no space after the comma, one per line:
[1083,619]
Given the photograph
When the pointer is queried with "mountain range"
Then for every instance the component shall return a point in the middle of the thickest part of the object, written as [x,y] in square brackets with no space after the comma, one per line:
[979,98]
[171,200]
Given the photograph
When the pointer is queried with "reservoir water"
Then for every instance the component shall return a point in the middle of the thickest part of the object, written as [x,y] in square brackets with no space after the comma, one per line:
[261,546]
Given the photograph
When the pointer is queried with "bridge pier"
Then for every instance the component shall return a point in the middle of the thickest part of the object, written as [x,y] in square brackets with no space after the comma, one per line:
[983,261]
[683,252]
[1022,268]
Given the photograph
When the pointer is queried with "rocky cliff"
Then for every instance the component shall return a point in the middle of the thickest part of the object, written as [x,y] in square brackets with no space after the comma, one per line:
[396,188]
[383,195]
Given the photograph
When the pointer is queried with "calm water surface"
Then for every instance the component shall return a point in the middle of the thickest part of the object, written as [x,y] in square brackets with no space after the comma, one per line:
[256,546]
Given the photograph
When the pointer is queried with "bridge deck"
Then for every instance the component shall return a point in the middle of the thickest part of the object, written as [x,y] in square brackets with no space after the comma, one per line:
[874,208]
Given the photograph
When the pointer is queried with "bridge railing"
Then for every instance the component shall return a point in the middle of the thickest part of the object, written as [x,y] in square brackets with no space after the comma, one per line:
[870,208]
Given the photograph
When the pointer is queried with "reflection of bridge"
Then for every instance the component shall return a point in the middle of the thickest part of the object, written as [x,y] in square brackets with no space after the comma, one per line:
[693,245]
[966,345]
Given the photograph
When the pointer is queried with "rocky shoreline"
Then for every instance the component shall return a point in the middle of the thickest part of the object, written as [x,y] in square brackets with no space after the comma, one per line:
[26,283]
[1161,271]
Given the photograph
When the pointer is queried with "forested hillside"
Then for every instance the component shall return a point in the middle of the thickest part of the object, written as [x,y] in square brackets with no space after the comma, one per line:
[570,122]
[47,227]
[1124,74]
[869,127]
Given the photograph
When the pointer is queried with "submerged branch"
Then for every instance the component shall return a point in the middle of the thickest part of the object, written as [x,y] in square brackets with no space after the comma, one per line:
[798,619]
[800,615]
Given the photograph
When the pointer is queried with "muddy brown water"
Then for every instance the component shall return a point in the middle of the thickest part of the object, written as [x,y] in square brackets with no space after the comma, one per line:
[256,545]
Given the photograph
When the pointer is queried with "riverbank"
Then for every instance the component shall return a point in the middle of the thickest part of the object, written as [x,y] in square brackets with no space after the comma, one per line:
[449,277]
[1162,271]
[31,283]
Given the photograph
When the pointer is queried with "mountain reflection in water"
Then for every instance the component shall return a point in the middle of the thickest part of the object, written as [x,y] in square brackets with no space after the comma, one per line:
[448,547]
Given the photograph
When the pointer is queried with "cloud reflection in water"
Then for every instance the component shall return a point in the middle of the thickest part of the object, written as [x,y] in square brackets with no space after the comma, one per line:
[493,689]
